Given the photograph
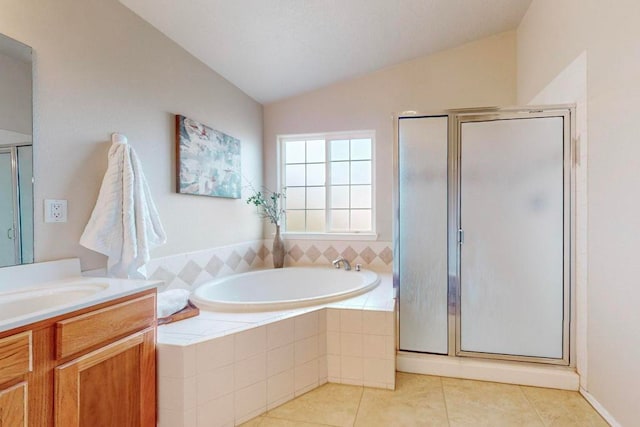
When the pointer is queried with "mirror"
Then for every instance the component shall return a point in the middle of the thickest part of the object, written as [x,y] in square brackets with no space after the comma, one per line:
[16,153]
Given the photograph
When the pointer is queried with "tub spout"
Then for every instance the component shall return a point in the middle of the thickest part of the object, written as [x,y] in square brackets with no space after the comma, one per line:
[336,263]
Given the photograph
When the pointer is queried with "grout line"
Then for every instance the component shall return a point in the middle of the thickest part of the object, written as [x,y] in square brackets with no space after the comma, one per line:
[535,408]
[444,399]
[358,408]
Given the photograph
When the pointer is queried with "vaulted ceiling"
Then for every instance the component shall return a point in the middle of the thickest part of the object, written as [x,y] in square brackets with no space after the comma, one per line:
[273,49]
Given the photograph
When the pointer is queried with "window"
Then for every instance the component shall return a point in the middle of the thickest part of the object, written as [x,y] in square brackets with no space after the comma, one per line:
[329,182]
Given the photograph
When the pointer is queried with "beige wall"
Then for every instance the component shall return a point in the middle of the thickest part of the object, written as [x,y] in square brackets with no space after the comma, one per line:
[550,38]
[100,69]
[480,73]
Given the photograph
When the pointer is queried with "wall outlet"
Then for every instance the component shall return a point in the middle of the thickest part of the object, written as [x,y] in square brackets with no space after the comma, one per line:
[55,210]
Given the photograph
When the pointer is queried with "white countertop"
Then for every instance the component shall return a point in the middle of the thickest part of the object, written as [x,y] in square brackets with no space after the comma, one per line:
[28,300]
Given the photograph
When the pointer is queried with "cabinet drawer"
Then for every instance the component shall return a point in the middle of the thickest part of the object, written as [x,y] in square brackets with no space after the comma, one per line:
[15,356]
[101,326]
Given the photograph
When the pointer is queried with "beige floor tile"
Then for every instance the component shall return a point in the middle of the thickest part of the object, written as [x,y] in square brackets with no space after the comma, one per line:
[421,400]
[478,403]
[417,401]
[277,422]
[562,408]
[255,422]
[332,404]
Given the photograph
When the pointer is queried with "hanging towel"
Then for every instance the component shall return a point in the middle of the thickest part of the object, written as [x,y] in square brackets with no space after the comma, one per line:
[124,224]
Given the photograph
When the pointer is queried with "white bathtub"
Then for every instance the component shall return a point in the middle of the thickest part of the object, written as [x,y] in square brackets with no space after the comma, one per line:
[280,289]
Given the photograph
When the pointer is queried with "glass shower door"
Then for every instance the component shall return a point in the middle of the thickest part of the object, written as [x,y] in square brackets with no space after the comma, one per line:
[513,243]
[422,233]
[8,232]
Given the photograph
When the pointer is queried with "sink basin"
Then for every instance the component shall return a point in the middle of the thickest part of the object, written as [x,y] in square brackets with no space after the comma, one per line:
[19,303]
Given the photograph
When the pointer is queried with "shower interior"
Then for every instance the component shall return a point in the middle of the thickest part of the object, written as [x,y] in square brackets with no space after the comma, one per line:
[16,204]
[483,233]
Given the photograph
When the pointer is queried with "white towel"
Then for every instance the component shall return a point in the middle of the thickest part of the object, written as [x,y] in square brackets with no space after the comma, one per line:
[172,301]
[124,224]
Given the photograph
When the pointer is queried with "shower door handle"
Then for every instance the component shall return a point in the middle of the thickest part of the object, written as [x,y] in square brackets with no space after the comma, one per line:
[460,236]
[11,233]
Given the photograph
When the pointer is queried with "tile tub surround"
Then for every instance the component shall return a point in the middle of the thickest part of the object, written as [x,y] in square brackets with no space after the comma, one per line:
[189,270]
[222,369]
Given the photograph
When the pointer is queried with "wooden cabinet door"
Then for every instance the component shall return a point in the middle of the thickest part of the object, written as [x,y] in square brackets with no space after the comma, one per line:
[112,386]
[13,406]
[15,356]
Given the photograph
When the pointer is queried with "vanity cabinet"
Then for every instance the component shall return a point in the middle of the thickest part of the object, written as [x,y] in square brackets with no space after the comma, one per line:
[15,365]
[113,384]
[92,367]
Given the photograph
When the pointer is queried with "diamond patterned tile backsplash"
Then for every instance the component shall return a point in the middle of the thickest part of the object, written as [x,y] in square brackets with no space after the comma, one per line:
[375,255]
[189,270]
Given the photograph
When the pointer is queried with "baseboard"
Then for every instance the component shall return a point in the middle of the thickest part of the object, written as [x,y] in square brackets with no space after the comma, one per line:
[559,377]
[598,407]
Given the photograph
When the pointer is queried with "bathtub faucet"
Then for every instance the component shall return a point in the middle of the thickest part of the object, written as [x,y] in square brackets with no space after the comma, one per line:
[336,263]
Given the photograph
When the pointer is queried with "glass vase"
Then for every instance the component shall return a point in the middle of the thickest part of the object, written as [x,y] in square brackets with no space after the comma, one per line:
[278,250]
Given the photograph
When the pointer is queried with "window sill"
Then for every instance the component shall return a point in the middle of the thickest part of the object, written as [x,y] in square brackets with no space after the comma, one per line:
[330,236]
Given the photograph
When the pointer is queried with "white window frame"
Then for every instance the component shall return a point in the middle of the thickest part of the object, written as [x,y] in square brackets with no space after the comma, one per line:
[327,136]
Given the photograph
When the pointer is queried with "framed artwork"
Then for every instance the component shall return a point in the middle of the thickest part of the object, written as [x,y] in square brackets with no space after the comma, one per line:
[207,160]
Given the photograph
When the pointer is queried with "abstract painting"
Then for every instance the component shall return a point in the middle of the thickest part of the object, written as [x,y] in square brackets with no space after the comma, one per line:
[207,160]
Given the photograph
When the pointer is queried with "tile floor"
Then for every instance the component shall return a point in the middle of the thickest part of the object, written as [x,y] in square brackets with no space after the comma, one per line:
[421,400]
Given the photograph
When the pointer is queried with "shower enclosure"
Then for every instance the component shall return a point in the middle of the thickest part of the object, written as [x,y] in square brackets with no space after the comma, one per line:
[483,243]
[16,205]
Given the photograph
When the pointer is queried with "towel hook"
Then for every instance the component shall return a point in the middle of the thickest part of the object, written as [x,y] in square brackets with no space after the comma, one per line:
[118,138]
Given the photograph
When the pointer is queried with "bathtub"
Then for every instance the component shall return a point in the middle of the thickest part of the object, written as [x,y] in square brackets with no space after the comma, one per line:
[281,289]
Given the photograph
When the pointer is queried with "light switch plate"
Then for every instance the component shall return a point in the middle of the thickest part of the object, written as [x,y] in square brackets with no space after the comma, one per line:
[55,210]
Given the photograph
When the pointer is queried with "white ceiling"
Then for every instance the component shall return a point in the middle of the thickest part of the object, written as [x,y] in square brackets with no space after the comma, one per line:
[273,49]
